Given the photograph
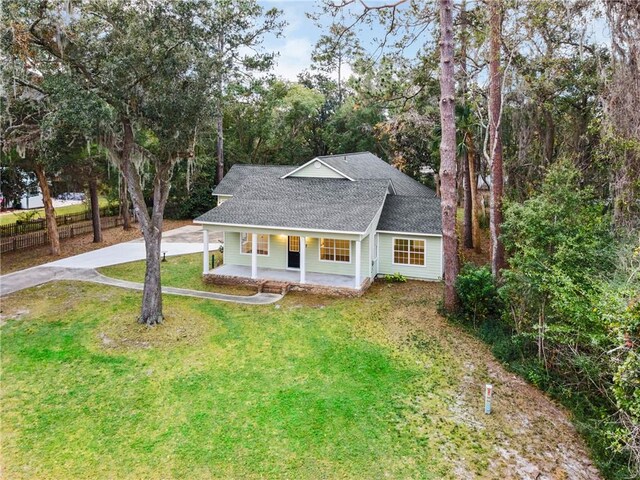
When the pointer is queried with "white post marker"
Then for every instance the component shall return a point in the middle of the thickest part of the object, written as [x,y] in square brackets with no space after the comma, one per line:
[488,392]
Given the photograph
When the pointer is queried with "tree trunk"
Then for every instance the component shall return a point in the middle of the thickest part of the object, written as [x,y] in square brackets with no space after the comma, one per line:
[124,204]
[448,162]
[95,210]
[220,118]
[468,205]
[473,184]
[470,236]
[339,79]
[220,145]
[151,313]
[151,225]
[495,138]
[49,212]
[549,136]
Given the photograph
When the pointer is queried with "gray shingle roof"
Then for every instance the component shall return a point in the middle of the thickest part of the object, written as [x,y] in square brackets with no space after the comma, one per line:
[411,215]
[365,165]
[308,203]
[239,172]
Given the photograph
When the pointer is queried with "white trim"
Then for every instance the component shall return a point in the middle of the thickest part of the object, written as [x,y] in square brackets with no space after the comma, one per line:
[254,255]
[317,159]
[205,251]
[376,217]
[303,260]
[441,257]
[259,254]
[377,269]
[286,229]
[411,233]
[376,247]
[393,251]
[334,261]
[358,272]
[393,188]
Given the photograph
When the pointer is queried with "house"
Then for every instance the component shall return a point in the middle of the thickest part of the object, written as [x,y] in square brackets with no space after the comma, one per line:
[330,225]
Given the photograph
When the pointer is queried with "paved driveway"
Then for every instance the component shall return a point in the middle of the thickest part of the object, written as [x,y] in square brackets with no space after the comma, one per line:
[82,267]
[179,241]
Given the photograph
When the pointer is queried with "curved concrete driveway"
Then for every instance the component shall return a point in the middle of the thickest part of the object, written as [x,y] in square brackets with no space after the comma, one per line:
[82,267]
[179,241]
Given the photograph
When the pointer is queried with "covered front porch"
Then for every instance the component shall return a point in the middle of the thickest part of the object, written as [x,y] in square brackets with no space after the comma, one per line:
[333,260]
[289,276]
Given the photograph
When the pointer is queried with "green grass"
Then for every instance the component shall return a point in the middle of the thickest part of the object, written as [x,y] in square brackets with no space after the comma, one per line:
[311,388]
[183,271]
[16,215]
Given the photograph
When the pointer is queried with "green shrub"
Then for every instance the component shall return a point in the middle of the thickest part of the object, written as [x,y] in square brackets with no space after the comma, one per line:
[478,293]
[395,278]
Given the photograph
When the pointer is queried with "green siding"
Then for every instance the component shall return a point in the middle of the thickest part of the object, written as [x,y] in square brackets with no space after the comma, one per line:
[317,172]
[277,252]
[433,268]
[314,264]
[277,257]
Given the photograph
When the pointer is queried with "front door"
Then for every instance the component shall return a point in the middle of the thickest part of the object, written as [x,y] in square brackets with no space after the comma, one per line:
[293,258]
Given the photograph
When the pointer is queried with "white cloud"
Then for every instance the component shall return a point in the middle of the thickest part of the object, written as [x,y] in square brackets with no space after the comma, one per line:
[294,57]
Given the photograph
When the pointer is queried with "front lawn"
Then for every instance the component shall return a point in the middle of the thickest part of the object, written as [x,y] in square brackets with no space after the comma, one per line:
[182,271]
[311,387]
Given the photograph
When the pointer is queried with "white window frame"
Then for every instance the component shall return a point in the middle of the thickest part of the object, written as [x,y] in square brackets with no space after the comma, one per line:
[410,239]
[333,261]
[259,254]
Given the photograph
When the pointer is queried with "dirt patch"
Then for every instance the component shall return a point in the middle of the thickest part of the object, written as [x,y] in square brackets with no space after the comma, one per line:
[15,315]
[31,257]
[533,435]
[122,332]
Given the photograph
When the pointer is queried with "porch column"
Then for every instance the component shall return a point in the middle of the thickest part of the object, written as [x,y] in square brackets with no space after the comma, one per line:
[358,263]
[205,250]
[254,256]
[303,259]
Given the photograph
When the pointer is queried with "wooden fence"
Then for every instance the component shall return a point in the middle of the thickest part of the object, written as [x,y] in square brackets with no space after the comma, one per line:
[35,239]
[21,227]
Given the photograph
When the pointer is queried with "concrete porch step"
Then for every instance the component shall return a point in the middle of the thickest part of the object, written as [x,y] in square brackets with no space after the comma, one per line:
[274,287]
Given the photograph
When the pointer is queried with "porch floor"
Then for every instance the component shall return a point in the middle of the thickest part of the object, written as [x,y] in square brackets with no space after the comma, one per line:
[291,276]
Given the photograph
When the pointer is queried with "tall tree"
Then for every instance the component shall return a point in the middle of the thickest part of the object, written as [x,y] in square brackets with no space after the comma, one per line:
[334,50]
[448,163]
[495,136]
[238,28]
[30,122]
[622,107]
[148,61]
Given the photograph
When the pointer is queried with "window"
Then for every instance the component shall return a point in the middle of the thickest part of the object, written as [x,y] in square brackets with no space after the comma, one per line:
[332,250]
[408,252]
[294,244]
[245,244]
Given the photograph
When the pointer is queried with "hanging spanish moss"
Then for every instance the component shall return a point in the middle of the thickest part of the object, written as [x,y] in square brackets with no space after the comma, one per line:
[191,165]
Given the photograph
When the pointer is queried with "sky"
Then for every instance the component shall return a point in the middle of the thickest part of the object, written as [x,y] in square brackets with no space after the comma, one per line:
[301,34]
[298,37]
